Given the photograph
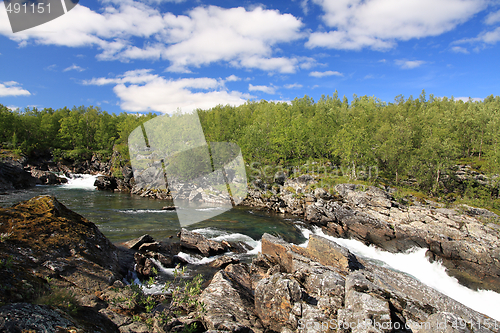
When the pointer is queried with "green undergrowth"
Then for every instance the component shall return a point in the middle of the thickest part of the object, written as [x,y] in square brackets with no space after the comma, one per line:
[62,299]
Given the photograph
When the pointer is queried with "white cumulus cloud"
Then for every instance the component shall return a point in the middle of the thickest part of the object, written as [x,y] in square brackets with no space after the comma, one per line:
[141,91]
[232,78]
[467,99]
[293,86]
[11,88]
[459,49]
[486,37]
[127,30]
[379,24]
[327,73]
[264,89]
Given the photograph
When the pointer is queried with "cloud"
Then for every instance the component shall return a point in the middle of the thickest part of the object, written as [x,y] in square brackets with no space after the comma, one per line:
[491,37]
[493,18]
[241,37]
[466,99]
[232,78]
[283,65]
[264,89]
[75,68]
[327,73]
[11,88]
[459,49]
[409,64]
[137,76]
[141,91]
[304,6]
[379,24]
[293,86]
[244,38]
[485,37]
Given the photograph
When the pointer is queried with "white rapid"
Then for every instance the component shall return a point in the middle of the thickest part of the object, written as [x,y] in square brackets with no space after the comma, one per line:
[417,265]
[80,181]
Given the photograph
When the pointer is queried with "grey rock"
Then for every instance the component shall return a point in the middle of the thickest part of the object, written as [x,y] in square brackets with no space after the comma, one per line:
[275,298]
[118,319]
[24,317]
[280,178]
[466,246]
[13,175]
[194,241]
[105,183]
[223,262]
[229,307]
[135,327]
[137,242]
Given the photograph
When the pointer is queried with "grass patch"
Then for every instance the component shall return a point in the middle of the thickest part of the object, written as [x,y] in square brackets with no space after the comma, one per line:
[9,153]
[62,299]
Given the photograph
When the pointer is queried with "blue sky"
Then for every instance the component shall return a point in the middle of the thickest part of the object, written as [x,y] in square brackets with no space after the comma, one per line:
[164,55]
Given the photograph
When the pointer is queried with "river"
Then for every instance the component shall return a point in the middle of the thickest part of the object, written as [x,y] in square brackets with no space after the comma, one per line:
[122,217]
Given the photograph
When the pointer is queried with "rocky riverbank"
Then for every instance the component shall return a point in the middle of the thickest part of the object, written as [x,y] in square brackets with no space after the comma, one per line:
[60,274]
[53,256]
[466,239]
[325,288]
[13,176]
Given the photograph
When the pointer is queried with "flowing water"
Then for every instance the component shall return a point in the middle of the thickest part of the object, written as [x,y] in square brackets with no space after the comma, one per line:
[122,217]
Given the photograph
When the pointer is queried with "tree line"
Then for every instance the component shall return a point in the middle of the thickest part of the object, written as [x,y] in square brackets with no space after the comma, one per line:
[74,133]
[412,141]
[415,141]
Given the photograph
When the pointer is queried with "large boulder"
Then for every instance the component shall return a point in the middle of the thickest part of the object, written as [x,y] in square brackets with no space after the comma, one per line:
[136,243]
[13,176]
[54,256]
[47,177]
[46,239]
[26,317]
[229,302]
[194,241]
[318,249]
[275,298]
[105,183]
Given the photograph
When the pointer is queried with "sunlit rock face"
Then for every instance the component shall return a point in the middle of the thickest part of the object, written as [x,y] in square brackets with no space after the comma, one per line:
[324,287]
[44,239]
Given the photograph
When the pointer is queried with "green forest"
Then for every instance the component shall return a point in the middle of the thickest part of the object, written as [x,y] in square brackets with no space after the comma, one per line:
[411,142]
[71,134]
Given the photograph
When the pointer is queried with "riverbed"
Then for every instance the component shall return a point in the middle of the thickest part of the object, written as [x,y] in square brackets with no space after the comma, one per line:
[122,217]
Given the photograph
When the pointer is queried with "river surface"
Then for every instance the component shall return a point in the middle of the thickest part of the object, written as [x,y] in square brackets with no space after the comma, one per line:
[122,217]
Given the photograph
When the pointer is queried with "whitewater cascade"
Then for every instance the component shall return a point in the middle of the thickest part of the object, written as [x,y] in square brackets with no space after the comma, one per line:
[415,263]
[80,181]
